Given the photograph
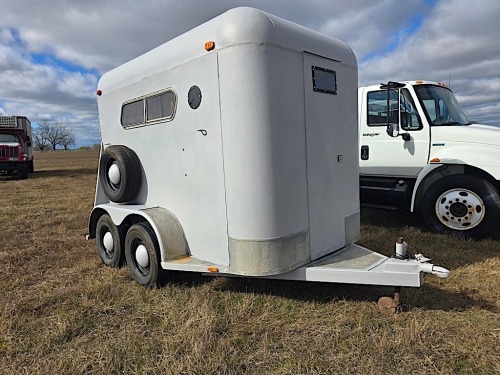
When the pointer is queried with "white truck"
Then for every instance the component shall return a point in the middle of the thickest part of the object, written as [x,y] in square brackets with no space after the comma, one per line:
[16,150]
[419,151]
[229,151]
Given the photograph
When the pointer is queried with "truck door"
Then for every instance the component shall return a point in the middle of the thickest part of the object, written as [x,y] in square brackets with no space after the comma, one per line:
[381,154]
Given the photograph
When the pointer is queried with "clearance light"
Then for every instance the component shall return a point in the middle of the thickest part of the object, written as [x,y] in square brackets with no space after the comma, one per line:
[99,92]
[435,160]
[210,45]
[419,82]
[212,269]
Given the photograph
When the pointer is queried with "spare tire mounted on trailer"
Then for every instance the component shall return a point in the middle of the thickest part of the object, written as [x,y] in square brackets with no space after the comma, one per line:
[120,173]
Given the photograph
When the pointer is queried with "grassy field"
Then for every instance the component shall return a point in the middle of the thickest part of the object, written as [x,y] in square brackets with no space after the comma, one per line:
[63,312]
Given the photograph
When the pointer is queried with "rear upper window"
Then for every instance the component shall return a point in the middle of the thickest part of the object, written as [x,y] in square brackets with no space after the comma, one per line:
[324,80]
[149,109]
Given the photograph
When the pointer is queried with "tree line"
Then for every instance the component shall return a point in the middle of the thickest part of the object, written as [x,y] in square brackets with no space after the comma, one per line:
[49,134]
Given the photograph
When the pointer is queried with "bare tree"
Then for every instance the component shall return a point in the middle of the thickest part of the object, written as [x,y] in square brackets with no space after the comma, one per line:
[40,140]
[53,134]
[68,139]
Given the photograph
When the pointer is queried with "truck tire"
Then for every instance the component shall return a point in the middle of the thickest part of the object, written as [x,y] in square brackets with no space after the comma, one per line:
[120,173]
[142,253]
[31,166]
[461,205]
[22,172]
[110,242]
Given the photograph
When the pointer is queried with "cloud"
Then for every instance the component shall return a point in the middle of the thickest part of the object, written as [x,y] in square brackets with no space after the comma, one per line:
[451,46]
[52,52]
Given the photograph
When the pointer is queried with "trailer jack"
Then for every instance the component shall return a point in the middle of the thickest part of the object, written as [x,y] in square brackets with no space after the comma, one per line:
[390,305]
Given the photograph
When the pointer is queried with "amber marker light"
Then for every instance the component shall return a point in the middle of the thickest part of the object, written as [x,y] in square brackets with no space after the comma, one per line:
[212,269]
[435,160]
[419,82]
[210,45]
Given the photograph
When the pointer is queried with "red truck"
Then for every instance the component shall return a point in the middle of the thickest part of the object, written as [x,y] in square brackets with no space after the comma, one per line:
[16,150]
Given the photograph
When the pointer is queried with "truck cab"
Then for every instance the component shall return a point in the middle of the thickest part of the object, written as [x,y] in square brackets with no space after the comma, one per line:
[16,150]
[419,151]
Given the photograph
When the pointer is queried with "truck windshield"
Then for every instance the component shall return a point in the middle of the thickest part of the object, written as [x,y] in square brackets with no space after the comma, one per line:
[440,105]
[8,138]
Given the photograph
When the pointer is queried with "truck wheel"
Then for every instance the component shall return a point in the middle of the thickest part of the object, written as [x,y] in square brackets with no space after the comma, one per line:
[31,166]
[23,172]
[110,242]
[120,173]
[143,255]
[461,205]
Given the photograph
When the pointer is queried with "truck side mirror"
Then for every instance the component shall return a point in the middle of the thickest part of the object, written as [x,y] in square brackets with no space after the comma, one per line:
[393,129]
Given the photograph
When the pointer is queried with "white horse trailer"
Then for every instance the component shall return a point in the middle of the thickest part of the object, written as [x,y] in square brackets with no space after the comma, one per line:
[232,150]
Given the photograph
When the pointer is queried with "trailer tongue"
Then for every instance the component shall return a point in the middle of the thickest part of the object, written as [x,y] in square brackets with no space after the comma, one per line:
[353,264]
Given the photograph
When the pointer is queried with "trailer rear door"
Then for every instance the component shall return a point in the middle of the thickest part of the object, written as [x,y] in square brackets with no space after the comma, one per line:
[324,139]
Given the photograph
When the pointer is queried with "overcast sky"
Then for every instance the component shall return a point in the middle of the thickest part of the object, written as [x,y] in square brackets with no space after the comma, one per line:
[53,52]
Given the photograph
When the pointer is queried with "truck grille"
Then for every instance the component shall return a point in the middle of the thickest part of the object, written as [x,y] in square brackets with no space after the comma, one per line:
[8,152]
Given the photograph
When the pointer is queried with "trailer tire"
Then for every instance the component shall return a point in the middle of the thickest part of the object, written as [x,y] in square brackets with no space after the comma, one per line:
[120,173]
[110,242]
[461,205]
[142,253]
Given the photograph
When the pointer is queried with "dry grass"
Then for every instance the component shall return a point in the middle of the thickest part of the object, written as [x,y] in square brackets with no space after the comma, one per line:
[62,312]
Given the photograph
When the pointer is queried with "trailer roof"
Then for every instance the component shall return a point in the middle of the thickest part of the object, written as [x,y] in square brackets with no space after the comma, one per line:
[235,27]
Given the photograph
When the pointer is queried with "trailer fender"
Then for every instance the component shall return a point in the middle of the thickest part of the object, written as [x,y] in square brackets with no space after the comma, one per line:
[165,225]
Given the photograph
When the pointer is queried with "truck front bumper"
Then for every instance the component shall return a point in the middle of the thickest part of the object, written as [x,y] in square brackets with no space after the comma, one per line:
[10,166]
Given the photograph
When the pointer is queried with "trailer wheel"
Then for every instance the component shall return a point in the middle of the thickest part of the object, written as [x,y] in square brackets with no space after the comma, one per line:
[143,255]
[110,242]
[461,205]
[120,173]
